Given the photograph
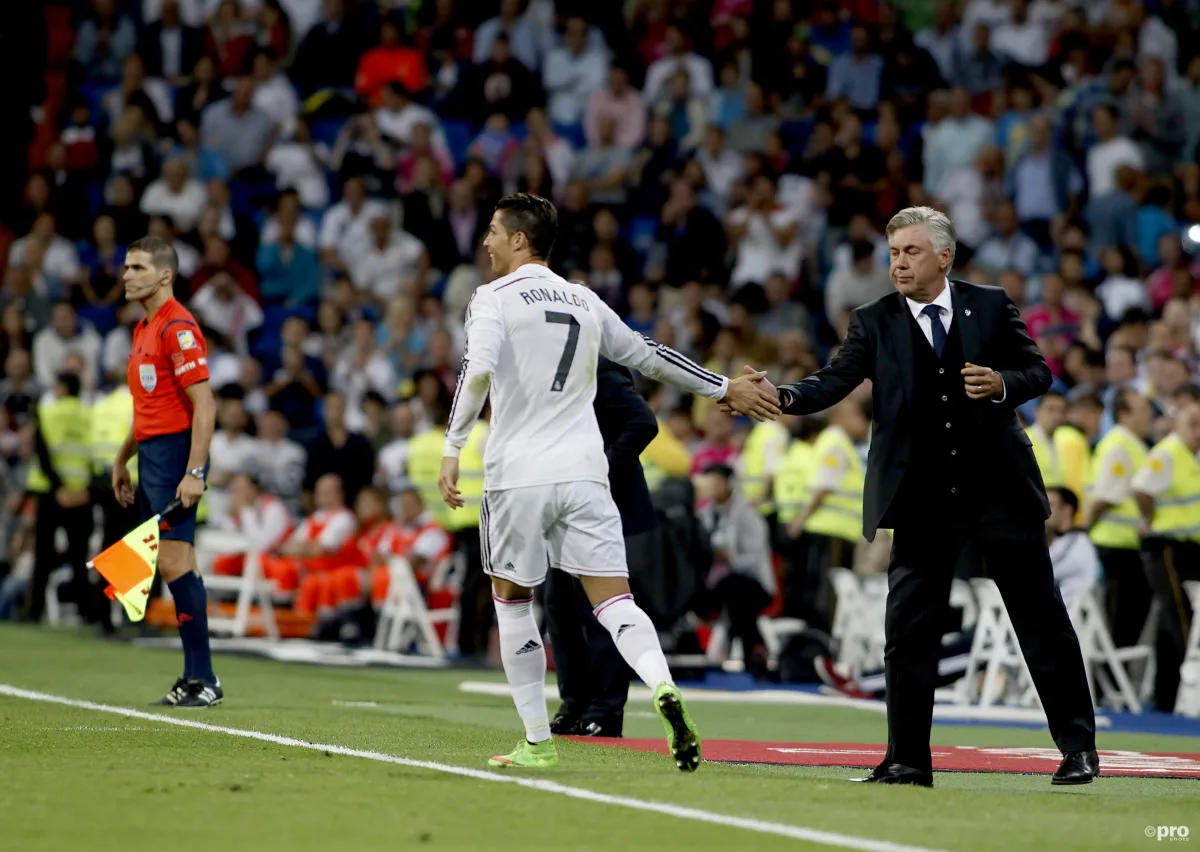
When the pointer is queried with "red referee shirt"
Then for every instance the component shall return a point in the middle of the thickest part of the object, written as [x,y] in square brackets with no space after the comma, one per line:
[169,355]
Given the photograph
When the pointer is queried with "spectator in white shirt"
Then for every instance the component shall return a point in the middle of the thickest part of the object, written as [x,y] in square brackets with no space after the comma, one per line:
[572,73]
[766,237]
[360,369]
[232,452]
[299,164]
[274,94]
[722,166]
[257,512]
[65,335]
[223,307]
[1073,556]
[280,465]
[176,195]
[391,464]
[1021,39]
[699,69]
[522,32]
[58,261]
[345,227]
[955,141]
[1109,152]
[398,115]
[394,261]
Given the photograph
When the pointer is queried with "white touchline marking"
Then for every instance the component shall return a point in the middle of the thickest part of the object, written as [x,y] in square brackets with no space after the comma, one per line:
[795,832]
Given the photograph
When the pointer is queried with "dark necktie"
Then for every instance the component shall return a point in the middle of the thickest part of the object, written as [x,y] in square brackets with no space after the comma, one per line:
[939,330]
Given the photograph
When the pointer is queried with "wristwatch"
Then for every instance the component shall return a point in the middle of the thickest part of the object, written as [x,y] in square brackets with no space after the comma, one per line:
[198,473]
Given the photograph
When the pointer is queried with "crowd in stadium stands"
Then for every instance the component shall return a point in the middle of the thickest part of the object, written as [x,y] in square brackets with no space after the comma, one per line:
[723,170]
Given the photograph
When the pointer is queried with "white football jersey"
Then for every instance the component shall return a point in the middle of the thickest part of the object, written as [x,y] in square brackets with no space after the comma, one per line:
[533,342]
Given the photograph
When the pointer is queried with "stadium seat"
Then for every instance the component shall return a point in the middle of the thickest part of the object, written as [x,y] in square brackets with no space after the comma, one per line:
[254,593]
[641,233]
[1106,664]
[458,138]
[1187,702]
[996,654]
[404,616]
[858,618]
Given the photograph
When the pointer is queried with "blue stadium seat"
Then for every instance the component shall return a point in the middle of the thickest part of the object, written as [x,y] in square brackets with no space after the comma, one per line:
[573,133]
[326,130]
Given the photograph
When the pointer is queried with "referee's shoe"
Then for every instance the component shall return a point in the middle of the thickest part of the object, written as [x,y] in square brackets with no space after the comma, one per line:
[201,694]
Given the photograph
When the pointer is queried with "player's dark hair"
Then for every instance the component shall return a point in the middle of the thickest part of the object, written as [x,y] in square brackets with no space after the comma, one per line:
[162,254]
[533,216]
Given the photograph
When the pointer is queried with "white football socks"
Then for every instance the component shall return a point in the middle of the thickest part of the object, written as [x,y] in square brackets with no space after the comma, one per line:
[524,658]
[635,637]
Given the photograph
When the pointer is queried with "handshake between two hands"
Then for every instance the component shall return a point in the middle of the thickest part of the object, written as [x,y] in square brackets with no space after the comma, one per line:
[752,394]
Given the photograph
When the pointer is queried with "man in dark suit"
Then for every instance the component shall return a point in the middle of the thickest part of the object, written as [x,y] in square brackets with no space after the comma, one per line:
[949,465]
[593,680]
[168,47]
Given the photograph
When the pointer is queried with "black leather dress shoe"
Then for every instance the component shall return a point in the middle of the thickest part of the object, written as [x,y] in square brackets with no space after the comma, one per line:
[597,729]
[894,773]
[565,722]
[1077,767]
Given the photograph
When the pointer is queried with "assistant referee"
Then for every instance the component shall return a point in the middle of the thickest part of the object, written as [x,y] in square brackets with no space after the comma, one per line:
[173,419]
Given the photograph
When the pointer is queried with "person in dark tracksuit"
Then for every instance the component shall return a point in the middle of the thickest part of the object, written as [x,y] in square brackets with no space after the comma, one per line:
[593,680]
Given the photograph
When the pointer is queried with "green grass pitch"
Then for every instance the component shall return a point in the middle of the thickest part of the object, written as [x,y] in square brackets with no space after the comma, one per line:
[84,779]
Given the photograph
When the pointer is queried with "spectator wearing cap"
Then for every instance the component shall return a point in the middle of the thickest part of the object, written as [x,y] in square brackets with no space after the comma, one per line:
[741,581]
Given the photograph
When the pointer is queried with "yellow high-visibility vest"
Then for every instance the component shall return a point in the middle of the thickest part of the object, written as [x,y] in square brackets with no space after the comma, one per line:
[1047,458]
[765,439]
[470,480]
[424,468]
[1177,510]
[840,513]
[66,426]
[792,481]
[1120,526]
[1074,458]
[112,418]
[664,457]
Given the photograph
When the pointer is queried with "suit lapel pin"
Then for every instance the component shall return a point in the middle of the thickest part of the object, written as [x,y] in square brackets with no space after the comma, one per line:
[967,312]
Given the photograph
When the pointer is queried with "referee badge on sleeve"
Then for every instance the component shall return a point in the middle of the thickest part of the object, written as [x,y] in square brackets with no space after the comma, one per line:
[148,374]
[186,339]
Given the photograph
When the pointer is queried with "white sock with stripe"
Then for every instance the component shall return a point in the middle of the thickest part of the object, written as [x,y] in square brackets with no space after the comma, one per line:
[524,659]
[635,637]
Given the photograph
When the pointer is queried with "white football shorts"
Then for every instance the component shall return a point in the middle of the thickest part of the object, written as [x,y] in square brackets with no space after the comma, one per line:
[572,526]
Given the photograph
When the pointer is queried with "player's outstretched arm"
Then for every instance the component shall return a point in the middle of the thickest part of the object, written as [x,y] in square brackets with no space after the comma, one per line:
[620,343]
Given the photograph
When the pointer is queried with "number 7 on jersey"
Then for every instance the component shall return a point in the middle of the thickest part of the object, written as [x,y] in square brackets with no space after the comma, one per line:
[568,355]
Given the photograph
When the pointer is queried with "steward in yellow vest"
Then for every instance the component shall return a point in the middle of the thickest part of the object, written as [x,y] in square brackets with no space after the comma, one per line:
[791,485]
[665,457]
[761,455]
[1051,414]
[832,521]
[1168,492]
[60,476]
[1112,518]
[112,418]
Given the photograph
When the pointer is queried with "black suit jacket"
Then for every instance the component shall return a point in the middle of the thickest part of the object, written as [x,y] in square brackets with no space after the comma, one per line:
[627,425]
[878,347]
[191,48]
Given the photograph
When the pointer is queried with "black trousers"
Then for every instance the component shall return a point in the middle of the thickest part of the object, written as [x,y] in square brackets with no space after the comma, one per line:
[1170,564]
[78,524]
[1127,593]
[919,578]
[742,598]
[475,605]
[593,678]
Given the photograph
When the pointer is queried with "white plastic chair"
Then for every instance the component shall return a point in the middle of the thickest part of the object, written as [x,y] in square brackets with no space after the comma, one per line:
[250,589]
[404,613]
[1106,664]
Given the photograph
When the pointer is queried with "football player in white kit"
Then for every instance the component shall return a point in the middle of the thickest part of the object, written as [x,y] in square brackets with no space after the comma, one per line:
[533,341]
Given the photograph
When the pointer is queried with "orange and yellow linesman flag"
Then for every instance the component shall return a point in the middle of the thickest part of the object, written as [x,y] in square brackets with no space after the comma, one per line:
[130,564]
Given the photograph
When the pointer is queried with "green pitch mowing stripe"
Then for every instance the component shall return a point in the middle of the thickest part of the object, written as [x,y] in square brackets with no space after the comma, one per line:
[823,838]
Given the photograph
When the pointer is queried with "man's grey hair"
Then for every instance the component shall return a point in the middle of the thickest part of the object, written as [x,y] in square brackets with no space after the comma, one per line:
[941,230]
